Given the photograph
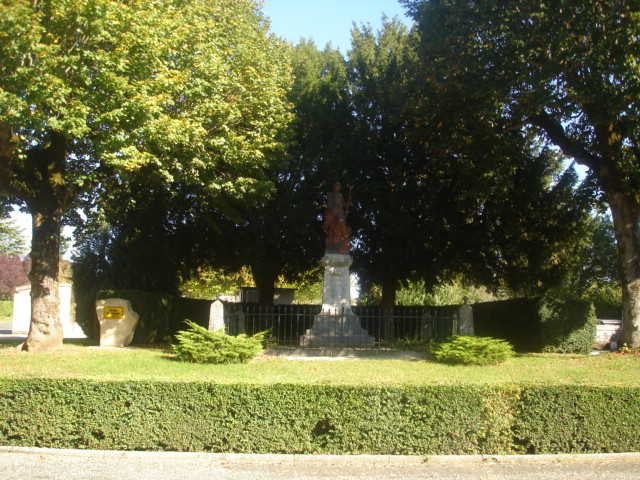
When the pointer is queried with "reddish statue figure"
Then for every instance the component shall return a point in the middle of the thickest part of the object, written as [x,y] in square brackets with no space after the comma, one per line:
[335,221]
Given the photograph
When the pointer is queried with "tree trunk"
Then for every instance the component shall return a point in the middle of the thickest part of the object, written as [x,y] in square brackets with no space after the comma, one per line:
[45,331]
[265,277]
[625,210]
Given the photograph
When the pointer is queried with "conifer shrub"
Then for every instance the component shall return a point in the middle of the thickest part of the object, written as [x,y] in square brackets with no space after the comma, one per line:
[466,350]
[199,345]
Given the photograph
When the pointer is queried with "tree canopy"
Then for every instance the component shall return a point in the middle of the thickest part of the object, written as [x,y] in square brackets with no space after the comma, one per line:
[92,92]
[11,238]
[568,70]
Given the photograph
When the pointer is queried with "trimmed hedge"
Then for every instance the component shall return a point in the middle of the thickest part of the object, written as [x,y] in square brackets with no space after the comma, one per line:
[307,419]
[538,325]
[578,419]
[161,315]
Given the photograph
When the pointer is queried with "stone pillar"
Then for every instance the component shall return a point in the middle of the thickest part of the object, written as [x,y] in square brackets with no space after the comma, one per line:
[118,322]
[465,320]
[216,316]
[336,325]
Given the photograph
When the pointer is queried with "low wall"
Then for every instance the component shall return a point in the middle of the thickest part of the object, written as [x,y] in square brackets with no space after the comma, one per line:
[608,334]
[22,312]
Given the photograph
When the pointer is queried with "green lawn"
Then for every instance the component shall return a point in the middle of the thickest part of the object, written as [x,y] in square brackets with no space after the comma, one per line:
[76,361]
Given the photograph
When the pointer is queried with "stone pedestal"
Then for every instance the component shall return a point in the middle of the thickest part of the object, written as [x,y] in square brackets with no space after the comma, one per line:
[336,325]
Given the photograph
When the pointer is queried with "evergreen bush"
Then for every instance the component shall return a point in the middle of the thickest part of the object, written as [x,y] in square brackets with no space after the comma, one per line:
[466,350]
[547,324]
[199,345]
[567,326]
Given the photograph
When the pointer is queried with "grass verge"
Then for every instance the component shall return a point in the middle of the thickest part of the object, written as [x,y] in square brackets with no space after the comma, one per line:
[148,364]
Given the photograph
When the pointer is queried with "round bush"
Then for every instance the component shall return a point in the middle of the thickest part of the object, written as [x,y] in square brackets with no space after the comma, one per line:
[465,350]
[199,345]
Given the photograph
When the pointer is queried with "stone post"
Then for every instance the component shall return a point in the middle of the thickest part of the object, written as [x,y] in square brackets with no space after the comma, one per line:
[216,316]
[465,320]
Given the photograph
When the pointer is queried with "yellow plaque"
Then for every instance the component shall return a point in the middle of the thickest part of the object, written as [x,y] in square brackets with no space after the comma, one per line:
[113,313]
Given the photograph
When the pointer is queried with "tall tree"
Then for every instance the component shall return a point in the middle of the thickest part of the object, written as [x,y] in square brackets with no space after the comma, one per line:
[92,92]
[568,69]
[390,194]
[281,235]
[443,193]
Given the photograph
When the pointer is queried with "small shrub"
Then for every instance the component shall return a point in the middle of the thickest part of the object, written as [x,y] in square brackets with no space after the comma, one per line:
[461,349]
[199,345]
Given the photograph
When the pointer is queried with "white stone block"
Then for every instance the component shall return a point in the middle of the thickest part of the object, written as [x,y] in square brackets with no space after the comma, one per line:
[118,322]
[216,316]
[21,310]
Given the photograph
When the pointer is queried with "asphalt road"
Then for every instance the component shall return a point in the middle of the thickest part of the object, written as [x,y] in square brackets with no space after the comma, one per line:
[36,464]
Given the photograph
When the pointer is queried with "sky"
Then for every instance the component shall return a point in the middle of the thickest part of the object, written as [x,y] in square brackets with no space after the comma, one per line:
[327,20]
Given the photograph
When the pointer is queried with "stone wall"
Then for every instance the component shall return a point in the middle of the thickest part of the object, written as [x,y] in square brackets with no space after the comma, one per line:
[608,334]
[22,312]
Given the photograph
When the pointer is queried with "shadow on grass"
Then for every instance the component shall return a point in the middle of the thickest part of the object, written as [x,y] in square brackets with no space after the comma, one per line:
[80,342]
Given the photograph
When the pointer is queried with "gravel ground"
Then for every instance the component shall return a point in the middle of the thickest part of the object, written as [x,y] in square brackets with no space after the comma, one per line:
[20,463]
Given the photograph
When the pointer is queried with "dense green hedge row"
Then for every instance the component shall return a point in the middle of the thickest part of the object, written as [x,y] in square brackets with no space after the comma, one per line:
[538,325]
[161,315]
[318,419]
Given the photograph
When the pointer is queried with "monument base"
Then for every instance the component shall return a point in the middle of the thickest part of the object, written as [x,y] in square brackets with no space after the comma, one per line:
[337,331]
[336,325]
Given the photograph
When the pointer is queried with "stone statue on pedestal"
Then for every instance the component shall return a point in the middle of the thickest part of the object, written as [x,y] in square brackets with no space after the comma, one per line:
[335,221]
[337,325]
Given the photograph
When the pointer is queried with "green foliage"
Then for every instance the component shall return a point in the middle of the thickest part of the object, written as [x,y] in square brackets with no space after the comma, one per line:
[465,350]
[317,419]
[607,299]
[535,325]
[11,238]
[6,309]
[552,419]
[450,293]
[209,283]
[568,326]
[275,418]
[199,345]
[308,286]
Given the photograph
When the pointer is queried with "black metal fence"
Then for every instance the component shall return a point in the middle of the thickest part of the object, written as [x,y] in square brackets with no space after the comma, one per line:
[288,323]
